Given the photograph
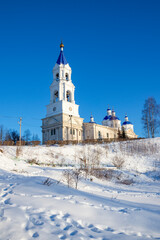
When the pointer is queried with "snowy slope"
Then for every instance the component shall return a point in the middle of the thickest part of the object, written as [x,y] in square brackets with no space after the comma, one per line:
[100,208]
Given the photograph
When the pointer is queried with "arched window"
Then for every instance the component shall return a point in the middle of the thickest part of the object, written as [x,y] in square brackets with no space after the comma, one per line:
[68,96]
[99,134]
[66,77]
[55,96]
[57,76]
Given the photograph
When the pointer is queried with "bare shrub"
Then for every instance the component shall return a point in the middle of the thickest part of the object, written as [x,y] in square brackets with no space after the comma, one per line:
[95,158]
[35,143]
[72,177]
[118,161]
[33,161]
[106,150]
[50,164]
[104,174]
[18,151]
[126,181]
[19,171]
[89,159]
[8,143]
[139,147]
[68,176]
[109,174]
[62,161]
[76,176]
[48,182]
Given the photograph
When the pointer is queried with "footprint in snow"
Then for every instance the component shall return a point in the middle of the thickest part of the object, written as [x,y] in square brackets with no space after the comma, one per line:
[53,217]
[67,227]
[65,216]
[35,235]
[125,211]
[109,229]
[90,225]
[8,201]
[73,233]
[2,218]
[4,195]
[62,236]
[76,224]
[36,221]
[96,230]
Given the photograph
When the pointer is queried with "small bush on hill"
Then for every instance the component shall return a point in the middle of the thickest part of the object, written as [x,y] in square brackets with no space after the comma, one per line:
[33,161]
[118,161]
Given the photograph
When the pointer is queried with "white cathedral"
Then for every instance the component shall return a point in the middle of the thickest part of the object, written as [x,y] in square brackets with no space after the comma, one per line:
[63,122]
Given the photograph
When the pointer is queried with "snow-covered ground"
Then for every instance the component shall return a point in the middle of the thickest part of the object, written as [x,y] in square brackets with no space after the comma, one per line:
[122,203]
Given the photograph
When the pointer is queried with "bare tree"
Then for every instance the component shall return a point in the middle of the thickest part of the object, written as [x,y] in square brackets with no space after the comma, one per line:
[35,137]
[27,135]
[1,133]
[76,176]
[68,176]
[7,136]
[14,135]
[150,117]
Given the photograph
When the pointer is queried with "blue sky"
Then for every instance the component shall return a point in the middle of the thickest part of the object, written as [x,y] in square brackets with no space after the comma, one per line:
[113,48]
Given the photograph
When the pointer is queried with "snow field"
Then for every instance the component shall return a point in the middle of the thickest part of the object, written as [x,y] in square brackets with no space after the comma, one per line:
[99,209]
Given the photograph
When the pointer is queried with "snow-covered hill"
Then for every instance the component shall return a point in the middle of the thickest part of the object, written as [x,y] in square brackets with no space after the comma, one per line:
[118,199]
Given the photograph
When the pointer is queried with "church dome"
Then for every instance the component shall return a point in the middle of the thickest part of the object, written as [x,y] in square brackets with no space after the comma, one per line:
[126,122]
[61,59]
[92,119]
[106,118]
[110,118]
[114,118]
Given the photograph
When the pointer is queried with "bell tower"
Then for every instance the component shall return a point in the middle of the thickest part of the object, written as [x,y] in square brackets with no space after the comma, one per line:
[62,89]
[62,118]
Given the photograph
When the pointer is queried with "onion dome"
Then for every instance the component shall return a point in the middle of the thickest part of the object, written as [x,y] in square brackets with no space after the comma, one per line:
[61,45]
[61,58]
[92,119]
[126,122]
[114,118]
[106,118]
[109,113]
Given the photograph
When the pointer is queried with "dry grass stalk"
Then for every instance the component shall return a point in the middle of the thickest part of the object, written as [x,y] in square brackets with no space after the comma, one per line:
[1,150]
[18,151]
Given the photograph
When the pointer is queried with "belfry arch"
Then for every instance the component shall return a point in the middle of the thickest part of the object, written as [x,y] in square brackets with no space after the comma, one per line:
[68,96]
[55,97]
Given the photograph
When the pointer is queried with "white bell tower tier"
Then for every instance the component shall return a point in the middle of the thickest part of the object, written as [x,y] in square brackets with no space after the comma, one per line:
[62,105]
[62,89]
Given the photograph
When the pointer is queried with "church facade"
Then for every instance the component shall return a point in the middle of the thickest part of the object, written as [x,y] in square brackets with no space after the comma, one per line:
[63,122]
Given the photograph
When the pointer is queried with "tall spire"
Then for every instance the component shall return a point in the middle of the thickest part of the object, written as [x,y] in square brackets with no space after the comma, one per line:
[61,58]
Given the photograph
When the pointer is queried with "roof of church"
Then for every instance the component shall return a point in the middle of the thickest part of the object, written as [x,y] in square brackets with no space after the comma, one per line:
[110,117]
[126,122]
[61,58]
